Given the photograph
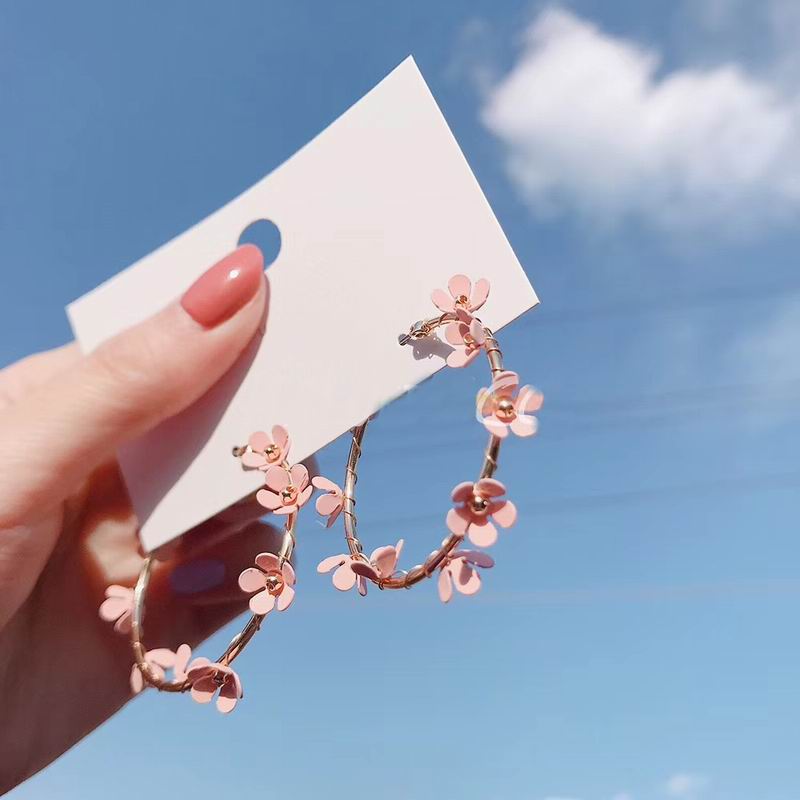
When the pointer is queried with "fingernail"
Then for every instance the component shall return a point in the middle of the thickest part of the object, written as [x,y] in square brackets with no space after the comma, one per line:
[225,288]
[197,576]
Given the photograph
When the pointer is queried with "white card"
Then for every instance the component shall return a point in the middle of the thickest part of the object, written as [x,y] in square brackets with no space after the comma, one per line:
[374,213]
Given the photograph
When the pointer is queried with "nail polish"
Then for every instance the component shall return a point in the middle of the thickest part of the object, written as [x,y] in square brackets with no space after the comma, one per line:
[225,288]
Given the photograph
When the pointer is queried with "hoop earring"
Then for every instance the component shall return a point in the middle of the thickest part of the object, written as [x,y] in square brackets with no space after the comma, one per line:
[270,583]
[480,506]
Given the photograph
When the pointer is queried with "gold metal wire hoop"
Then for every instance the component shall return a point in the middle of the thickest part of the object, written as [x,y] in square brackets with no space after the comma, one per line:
[418,573]
[232,651]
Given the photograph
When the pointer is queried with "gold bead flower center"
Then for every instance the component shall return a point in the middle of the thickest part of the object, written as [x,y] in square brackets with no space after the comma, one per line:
[274,582]
[478,504]
[289,494]
[504,409]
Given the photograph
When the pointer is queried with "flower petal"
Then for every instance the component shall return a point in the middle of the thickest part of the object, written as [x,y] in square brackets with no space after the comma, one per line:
[344,578]
[442,300]
[115,590]
[490,487]
[259,441]
[453,334]
[361,586]
[505,383]
[328,503]
[459,285]
[476,332]
[161,656]
[495,427]
[262,603]
[504,513]
[112,608]
[285,598]
[198,667]
[525,425]
[253,460]
[268,499]
[333,517]
[331,562]
[182,656]
[125,622]
[305,496]
[385,560]
[484,401]
[445,586]
[137,679]
[203,689]
[268,561]
[277,478]
[228,696]
[325,484]
[458,520]
[476,557]
[529,400]
[251,580]
[482,533]
[290,509]
[480,291]
[299,476]
[364,570]
[281,438]
[288,573]
[467,579]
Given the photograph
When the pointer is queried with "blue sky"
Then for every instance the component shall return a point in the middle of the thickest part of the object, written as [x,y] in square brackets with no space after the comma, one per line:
[637,639]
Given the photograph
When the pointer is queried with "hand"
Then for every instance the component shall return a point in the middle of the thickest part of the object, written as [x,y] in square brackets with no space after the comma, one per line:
[67,529]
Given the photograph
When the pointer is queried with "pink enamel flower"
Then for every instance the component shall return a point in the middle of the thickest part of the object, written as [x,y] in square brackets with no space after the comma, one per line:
[263,450]
[160,660]
[480,506]
[461,570]
[462,294]
[287,489]
[352,571]
[331,503]
[467,336]
[208,677]
[273,582]
[118,608]
[504,406]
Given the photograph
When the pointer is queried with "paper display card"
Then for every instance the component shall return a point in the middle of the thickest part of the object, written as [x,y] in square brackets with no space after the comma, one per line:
[374,213]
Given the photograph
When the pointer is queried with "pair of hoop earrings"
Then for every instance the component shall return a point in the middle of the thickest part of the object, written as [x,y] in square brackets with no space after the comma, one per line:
[479,508]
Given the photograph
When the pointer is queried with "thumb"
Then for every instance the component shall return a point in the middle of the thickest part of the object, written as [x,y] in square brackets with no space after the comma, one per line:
[135,380]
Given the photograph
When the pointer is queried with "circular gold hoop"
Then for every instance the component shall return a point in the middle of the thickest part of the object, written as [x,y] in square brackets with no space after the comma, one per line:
[232,651]
[436,559]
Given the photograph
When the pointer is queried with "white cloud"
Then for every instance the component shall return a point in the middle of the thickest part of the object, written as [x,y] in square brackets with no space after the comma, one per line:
[591,126]
[686,786]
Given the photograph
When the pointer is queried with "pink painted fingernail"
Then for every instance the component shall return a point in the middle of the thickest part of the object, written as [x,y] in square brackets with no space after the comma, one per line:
[225,288]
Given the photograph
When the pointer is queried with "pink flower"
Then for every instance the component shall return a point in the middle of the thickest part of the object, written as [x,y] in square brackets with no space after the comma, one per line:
[460,570]
[352,571]
[287,489]
[207,677]
[330,504]
[160,660]
[462,294]
[263,450]
[505,406]
[118,608]
[466,334]
[480,504]
[273,582]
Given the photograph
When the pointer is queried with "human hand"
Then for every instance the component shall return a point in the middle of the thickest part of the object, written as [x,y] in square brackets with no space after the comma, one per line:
[67,528]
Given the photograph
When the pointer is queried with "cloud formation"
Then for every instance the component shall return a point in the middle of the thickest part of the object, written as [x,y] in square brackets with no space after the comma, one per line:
[590,126]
